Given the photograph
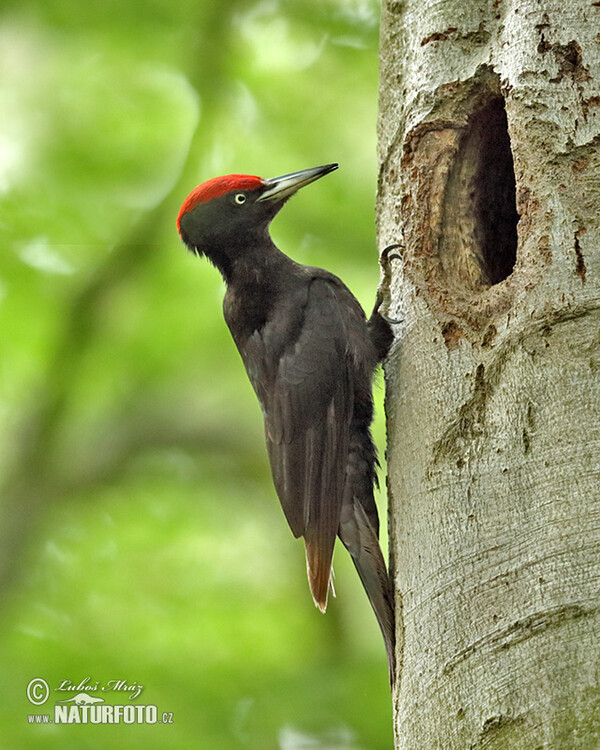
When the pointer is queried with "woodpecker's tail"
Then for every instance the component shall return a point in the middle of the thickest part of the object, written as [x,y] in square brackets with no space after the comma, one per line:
[319,571]
[360,539]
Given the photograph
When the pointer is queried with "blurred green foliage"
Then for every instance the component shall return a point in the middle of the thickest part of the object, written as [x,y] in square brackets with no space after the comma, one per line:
[141,538]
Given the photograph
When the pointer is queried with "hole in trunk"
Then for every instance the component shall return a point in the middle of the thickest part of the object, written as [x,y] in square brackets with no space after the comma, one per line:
[479,217]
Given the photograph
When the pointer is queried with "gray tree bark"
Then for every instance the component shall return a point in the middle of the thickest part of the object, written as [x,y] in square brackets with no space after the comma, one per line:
[489,151]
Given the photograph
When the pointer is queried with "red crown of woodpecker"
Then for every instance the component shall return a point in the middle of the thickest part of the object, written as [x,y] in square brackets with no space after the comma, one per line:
[216,187]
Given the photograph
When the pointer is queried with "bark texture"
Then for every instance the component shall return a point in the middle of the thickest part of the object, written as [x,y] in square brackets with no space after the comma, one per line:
[489,150]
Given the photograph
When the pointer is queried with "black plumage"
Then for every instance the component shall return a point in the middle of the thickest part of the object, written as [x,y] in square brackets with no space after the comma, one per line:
[310,355]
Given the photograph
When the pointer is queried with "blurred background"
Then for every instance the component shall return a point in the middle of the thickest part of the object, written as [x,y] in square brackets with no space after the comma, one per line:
[140,535]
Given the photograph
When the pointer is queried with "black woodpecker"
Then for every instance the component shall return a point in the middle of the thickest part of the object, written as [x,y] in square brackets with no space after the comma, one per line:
[310,354]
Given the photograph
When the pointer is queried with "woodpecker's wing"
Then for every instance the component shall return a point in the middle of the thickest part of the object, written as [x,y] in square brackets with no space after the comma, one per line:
[308,408]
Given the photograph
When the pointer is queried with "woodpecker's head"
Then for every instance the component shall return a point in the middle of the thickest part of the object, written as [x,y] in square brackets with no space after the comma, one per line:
[229,213]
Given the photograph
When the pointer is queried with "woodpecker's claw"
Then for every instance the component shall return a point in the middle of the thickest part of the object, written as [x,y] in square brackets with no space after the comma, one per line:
[385,253]
[376,310]
[385,259]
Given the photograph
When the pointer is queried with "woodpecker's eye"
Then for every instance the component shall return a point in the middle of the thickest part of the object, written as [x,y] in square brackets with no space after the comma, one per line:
[239,198]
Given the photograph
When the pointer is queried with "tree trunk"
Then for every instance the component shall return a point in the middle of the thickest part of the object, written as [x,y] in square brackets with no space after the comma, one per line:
[489,139]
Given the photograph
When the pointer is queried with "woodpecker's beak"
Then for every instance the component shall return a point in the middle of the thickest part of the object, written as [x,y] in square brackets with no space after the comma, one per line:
[279,188]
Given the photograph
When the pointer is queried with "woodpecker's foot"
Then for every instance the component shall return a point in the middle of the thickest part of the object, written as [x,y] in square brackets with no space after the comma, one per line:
[384,260]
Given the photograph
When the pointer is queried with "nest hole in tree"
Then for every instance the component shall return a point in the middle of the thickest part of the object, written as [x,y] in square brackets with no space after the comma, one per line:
[478,244]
